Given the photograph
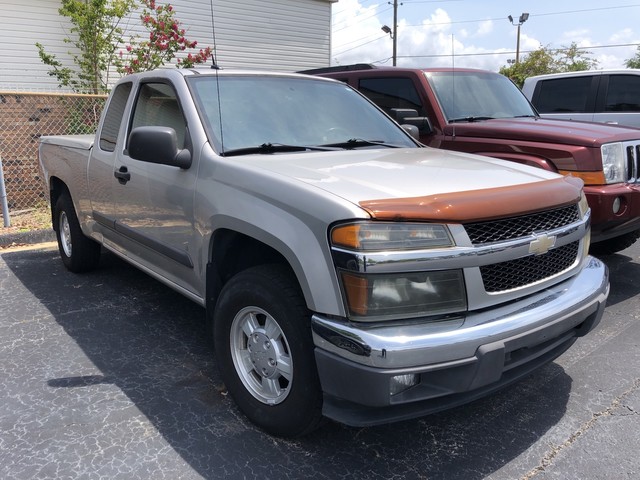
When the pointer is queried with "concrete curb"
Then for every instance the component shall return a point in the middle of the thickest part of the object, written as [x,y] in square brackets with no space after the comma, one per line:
[27,238]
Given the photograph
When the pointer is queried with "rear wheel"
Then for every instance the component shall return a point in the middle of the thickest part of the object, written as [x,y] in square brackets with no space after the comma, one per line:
[614,245]
[265,353]
[78,252]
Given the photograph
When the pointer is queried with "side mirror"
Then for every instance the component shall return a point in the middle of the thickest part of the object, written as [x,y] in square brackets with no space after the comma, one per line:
[410,116]
[411,130]
[157,145]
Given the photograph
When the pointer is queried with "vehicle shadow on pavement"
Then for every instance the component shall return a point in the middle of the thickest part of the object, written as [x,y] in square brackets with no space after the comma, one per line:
[124,378]
[624,276]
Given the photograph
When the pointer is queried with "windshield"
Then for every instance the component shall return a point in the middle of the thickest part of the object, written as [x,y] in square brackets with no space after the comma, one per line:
[246,114]
[473,96]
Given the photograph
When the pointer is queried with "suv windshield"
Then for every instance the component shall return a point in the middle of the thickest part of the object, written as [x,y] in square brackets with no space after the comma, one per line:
[474,96]
[246,114]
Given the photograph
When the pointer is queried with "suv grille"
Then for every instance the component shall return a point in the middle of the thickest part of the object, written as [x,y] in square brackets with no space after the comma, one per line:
[633,163]
[524,271]
[516,227]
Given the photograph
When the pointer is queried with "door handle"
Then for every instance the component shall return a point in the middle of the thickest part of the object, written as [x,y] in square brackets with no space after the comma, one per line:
[123,175]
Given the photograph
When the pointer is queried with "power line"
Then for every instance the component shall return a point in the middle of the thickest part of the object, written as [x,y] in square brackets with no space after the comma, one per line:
[530,15]
[585,10]
[429,1]
[368,37]
[482,20]
[358,46]
[484,54]
[374,14]
[342,11]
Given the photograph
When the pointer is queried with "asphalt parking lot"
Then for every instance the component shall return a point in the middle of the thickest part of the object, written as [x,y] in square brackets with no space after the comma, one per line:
[110,375]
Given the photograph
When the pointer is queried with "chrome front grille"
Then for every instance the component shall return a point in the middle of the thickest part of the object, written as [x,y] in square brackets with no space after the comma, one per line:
[526,270]
[633,163]
[503,276]
[522,226]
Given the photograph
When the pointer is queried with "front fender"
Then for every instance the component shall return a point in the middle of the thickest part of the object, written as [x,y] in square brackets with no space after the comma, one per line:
[306,252]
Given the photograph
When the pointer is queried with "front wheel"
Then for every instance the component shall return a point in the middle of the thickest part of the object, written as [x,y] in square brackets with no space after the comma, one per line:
[78,252]
[265,353]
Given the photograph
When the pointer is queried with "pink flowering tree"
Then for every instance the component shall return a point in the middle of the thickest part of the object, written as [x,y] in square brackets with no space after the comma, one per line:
[166,39]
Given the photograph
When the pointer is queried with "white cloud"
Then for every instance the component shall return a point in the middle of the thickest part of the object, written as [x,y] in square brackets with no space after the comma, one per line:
[485,28]
[576,35]
[623,36]
[357,38]
[527,43]
[356,34]
[428,40]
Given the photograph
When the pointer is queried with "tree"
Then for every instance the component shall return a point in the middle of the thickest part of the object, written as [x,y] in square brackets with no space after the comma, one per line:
[547,60]
[535,63]
[166,39]
[95,36]
[574,59]
[633,62]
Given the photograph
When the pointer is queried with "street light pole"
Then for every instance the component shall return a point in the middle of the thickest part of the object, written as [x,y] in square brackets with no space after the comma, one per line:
[523,18]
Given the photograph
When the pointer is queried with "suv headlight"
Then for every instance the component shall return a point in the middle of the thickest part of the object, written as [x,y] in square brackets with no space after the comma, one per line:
[394,295]
[583,205]
[613,162]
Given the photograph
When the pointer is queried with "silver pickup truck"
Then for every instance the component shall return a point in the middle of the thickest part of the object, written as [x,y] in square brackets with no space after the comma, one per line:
[347,271]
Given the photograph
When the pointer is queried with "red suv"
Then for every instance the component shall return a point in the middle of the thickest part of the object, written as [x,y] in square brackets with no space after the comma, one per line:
[482,112]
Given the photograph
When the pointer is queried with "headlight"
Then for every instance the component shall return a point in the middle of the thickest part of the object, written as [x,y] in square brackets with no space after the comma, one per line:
[403,295]
[583,206]
[613,162]
[368,236]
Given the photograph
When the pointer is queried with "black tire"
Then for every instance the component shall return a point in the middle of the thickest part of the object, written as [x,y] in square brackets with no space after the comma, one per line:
[614,245]
[78,252]
[264,349]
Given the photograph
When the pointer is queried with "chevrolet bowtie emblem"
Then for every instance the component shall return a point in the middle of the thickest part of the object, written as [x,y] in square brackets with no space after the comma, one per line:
[542,244]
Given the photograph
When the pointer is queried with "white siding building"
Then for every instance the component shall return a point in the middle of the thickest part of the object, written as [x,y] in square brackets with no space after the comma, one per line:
[284,35]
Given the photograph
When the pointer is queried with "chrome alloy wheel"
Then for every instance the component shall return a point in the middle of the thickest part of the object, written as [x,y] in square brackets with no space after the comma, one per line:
[261,355]
[65,234]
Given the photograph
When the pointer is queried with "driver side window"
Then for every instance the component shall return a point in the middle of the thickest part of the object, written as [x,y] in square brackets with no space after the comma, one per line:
[157,105]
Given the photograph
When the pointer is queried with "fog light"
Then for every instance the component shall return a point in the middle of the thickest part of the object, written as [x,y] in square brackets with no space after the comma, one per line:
[616,205]
[400,383]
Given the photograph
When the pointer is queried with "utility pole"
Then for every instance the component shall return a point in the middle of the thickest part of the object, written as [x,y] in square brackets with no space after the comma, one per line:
[395,30]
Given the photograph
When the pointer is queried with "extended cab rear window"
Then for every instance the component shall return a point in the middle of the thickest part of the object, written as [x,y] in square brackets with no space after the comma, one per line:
[113,117]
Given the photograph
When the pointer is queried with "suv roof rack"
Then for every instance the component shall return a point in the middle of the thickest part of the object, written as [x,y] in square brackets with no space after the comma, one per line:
[339,68]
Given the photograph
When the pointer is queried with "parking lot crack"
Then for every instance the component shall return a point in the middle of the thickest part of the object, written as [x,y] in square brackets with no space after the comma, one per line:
[555,450]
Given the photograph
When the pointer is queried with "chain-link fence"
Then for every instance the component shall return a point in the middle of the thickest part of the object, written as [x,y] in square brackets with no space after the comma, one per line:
[24,118]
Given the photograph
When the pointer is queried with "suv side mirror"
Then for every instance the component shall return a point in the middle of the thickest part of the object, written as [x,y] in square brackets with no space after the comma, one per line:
[411,130]
[410,116]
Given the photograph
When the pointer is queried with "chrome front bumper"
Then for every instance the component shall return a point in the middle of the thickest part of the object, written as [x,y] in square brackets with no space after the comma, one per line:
[456,360]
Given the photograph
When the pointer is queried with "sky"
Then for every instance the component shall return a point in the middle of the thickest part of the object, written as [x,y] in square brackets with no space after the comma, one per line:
[478,34]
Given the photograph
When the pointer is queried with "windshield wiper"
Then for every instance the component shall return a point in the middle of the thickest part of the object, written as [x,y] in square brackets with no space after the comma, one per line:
[359,142]
[267,148]
[469,119]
